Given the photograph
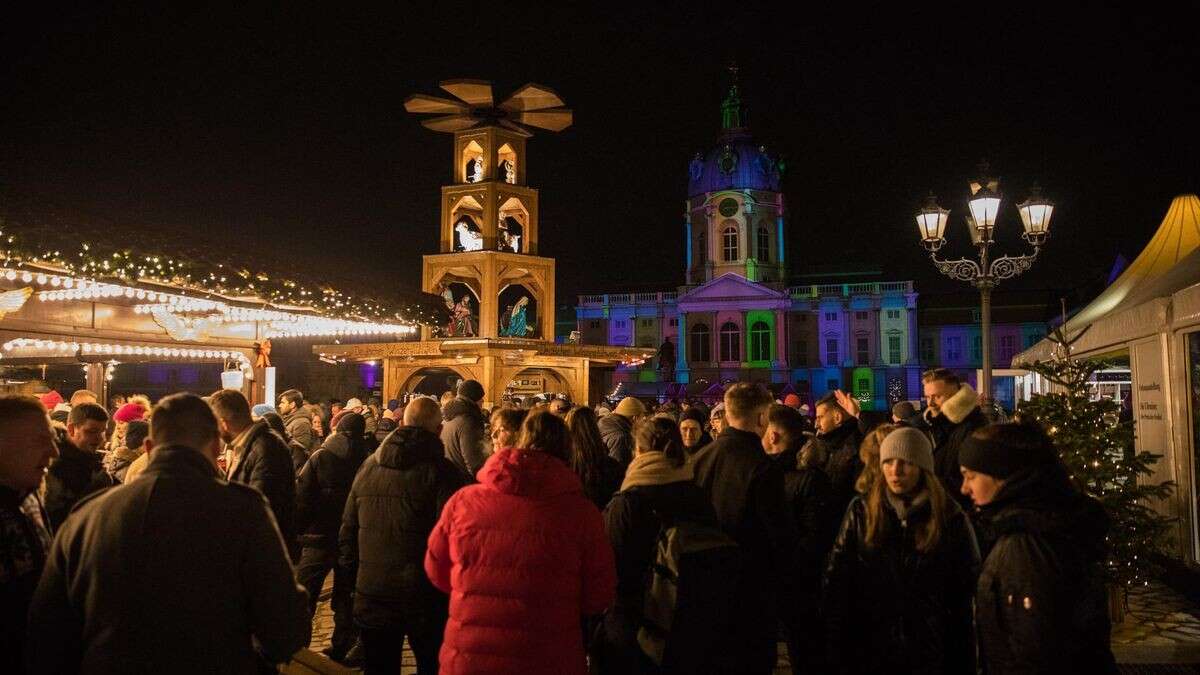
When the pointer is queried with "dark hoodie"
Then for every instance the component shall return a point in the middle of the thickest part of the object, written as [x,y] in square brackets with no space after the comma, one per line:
[463,435]
[393,504]
[74,475]
[324,483]
[842,464]
[1041,602]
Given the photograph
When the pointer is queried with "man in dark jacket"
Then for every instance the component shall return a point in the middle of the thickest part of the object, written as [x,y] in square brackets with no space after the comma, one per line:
[79,469]
[616,430]
[463,429]
[297,419]
[321,492]
[260,459]
[838,437]
[26,448]
[951,416]
[176,572]
[393,505]
[807,493]
[746,489]
[1041,601]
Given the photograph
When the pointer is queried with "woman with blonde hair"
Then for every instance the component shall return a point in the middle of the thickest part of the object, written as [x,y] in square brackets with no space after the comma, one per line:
[900,579]
[868,452]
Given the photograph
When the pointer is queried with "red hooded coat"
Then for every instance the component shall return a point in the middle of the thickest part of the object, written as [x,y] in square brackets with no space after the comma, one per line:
[524,557]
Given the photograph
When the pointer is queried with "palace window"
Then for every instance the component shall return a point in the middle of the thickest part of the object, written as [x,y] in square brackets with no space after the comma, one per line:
[763,252]
[953,351]
[702,244]
[863,351]
[760,341]
[894,350]
[1008,347]
[673,323]
[831,352]
[595,324]
[831,316]
[800,350]
[977,349]
[731,342]
[893,314]
[646,323]
[701,347]
[927,351]
[730,240]
[861,316]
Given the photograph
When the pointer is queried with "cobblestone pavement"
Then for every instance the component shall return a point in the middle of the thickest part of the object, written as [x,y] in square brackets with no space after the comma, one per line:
[1160,627]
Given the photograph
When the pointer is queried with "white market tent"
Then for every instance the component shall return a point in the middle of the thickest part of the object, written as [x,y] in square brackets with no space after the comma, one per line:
[1152,313]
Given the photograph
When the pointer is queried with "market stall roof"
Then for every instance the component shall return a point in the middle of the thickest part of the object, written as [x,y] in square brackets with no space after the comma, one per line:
[1164,266]
[1168,263]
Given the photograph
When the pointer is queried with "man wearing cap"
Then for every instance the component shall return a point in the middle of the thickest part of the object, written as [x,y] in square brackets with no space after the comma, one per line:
[463,432]
[1041,601]
[616,430]
[716,419]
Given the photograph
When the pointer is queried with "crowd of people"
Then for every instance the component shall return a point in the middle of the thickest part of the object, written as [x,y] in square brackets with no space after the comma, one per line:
[196,535]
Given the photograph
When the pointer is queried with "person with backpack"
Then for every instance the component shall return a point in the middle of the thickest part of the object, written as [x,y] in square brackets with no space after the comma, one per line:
[523,556]
[901,576]
[657,501]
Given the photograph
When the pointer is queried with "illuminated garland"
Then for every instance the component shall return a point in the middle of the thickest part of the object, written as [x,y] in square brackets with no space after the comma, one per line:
[84,260]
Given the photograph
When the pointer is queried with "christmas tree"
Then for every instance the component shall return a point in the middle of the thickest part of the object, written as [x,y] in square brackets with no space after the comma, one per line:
[1097,447]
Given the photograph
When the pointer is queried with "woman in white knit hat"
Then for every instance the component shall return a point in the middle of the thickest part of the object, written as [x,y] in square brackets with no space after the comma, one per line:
[901,576]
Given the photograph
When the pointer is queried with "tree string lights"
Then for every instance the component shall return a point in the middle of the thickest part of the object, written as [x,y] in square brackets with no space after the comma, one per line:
[1098,450]
[59,250]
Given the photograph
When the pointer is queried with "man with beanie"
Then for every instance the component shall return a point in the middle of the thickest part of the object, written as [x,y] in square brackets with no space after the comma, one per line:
[616,430]
[463,429]
[951,416]
[321,491]
[1041,601]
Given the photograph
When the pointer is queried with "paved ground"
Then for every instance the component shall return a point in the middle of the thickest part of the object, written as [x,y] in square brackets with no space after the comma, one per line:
[1160,635]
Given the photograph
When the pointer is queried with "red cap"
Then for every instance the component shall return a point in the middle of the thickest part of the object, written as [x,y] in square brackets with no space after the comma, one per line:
[51,399]
[129,412]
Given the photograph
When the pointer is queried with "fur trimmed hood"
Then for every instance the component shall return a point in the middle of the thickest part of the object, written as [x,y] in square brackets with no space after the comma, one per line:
[957,407]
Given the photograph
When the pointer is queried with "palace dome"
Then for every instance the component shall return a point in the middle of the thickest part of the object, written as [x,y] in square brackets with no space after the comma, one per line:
[736,162]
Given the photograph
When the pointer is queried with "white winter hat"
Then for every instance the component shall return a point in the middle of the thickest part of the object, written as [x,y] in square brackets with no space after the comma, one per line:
[353,403]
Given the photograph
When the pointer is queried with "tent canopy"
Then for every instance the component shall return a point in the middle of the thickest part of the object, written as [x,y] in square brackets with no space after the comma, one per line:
[1166,264]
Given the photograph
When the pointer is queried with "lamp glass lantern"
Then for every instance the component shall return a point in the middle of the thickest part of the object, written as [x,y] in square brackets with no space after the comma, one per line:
[1035,217]
[984,206]
[931,222]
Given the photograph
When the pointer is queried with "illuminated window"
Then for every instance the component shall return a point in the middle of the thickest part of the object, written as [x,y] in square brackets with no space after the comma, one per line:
[730,241]
[894,350]
[831,352]
[760,341]
[893,314]
[927,351]
[863,351]
[831,316]
[731,342]
[953,350]
[763,252]
[701,347]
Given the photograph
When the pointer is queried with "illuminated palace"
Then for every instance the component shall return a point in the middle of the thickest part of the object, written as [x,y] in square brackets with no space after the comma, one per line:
[736,317]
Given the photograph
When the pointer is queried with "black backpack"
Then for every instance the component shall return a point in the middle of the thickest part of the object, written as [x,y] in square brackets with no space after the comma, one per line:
[690,601]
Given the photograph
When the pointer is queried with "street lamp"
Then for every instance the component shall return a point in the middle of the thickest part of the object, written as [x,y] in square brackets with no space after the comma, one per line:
[984,273]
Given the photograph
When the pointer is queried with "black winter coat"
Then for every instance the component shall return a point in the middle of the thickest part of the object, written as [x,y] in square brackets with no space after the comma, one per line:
[174,572]
[948,438]
[1041,603]
[807,493]
[633,521]
[74,475]
[464,436]
[891,608]
[395,501]
[322,488]
[842,463]
[24,542]
[266,465]
[617,433]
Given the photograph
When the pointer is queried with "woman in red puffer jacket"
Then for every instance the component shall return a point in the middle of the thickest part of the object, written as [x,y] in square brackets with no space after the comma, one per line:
[524,558]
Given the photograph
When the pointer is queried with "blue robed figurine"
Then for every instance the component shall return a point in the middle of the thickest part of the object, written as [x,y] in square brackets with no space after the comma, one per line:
[517,324]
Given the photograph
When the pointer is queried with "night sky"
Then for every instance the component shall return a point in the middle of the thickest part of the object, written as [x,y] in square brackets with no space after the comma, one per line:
[284,129]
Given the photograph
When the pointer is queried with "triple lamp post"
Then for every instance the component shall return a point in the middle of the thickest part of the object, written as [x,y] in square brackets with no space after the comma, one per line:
[984,273]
